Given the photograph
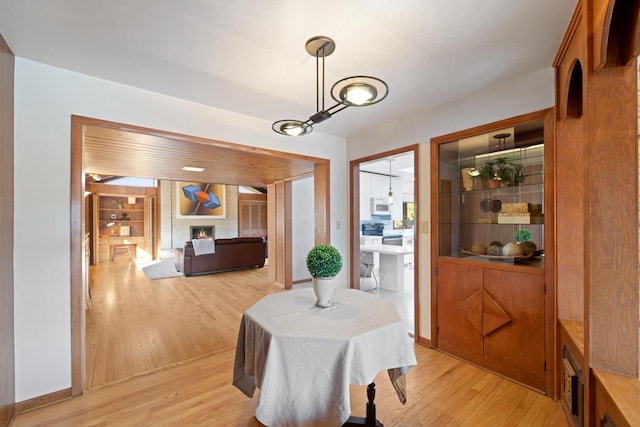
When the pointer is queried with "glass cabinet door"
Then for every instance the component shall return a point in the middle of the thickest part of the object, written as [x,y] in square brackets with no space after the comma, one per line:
[491,196]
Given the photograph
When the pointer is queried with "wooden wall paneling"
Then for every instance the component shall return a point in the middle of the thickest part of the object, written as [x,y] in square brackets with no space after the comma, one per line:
[282,255]
[322,202]
[613,206]
[354,223]
[272,232]
[550,266]
[571,176]
[616,32]
[78,362]
[288,234]
[279,235]
[417,230]
[7,358]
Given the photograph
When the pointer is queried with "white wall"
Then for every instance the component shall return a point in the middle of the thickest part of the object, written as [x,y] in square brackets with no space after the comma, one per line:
[302,193]
[526,94]
[45,99]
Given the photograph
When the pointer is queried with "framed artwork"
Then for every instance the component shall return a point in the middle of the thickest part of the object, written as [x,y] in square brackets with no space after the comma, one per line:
[125,230]
[200,200]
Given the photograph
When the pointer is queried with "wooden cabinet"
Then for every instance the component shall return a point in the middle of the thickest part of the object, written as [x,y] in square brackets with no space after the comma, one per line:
[491,305]
[116,212]
[252,218]
[493,317]
[122,220]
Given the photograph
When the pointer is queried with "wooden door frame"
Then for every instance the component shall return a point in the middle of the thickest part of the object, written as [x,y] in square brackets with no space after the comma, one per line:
[354,220]
[547,115]
[77,215]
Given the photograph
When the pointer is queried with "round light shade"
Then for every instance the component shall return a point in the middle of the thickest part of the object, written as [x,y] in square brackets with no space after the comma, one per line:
[359,91]
[291,127]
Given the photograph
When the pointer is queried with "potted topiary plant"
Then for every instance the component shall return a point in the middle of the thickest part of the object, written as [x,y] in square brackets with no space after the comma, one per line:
[324,262]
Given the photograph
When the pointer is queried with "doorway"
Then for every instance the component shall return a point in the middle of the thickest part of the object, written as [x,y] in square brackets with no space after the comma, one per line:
[126,150]
[384,201]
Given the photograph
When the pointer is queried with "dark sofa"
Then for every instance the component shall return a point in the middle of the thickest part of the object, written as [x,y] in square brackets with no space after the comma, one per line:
[230,254]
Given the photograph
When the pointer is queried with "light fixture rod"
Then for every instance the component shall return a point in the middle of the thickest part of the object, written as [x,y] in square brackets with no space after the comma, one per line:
[355,91]
[323,76]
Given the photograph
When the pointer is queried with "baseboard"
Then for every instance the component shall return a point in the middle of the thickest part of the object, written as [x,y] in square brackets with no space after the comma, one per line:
[7,414]
[44,400]
[425,342]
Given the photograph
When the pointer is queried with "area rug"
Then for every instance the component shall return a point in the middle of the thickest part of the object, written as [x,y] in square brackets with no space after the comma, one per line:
[160,269]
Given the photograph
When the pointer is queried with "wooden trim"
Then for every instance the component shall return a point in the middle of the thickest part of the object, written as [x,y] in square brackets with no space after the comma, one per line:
[354,218]
[354,222]
[88,121]
[568,35]
[551,298]
[119,190]
[548,383]
[322,203]
[78,124]
[288,234]
[616,32]
[416,243]
[44,400]
[435,238]
[77,288]
[425,342]
[486,128]
[272,232]
[7,344]
[259,197]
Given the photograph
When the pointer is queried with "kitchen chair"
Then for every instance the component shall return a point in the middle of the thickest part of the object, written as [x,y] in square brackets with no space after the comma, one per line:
[366,269]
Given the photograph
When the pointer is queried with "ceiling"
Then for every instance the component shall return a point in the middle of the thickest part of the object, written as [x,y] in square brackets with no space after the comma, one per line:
[109,151]
[249,56]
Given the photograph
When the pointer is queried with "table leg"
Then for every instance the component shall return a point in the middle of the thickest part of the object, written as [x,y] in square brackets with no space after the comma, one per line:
[370,420]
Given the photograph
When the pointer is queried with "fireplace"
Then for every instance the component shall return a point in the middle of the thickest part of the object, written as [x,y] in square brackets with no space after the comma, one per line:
[202,231]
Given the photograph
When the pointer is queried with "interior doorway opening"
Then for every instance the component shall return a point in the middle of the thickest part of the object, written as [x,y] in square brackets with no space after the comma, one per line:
[384,250]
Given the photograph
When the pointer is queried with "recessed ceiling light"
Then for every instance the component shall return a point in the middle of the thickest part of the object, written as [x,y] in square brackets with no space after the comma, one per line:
[192,169]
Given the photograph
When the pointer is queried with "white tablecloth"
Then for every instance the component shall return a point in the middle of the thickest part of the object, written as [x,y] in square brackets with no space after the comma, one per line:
[303,357]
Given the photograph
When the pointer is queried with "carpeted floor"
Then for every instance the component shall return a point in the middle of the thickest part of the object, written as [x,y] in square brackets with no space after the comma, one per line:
[160,269]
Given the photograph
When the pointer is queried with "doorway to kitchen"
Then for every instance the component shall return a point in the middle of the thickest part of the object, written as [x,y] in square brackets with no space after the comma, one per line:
[384,202]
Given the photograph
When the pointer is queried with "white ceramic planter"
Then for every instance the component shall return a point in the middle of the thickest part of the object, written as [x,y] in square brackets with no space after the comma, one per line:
[323,288]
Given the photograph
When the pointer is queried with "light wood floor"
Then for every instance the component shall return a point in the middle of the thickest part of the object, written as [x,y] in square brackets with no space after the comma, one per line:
[442,391]
[136,325]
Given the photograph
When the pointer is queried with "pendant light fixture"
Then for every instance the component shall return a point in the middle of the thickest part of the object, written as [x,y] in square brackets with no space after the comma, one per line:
[355,91]
[390,197]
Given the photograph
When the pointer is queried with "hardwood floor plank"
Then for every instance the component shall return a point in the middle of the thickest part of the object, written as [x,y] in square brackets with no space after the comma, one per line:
[200,393]
[139,325]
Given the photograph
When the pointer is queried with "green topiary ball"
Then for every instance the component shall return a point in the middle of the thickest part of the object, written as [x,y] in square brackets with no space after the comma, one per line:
[522,235]
[324,261]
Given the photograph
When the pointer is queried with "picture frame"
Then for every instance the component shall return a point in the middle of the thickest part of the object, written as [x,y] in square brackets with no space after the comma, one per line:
[125,230]
[187,208]
[113,216]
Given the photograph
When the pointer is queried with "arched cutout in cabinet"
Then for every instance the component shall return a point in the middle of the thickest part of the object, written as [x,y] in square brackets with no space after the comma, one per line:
[574,94]
[621,35]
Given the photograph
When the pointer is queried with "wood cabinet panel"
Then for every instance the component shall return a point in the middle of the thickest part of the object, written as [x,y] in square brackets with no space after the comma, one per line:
[457,322]
[493,317]
[520,342]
